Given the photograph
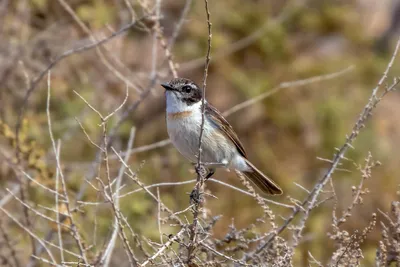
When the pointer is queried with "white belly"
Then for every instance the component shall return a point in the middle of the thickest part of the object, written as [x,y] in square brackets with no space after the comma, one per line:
[184,134]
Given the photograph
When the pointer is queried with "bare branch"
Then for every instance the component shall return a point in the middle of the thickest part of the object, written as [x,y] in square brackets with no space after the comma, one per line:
[74,229]
[284,85]
[108,252]
[35,82]
[33,235]
[198,189]
[311,199]
[164,247]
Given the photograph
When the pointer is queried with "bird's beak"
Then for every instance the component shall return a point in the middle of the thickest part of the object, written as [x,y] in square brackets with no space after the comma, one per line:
[167,87]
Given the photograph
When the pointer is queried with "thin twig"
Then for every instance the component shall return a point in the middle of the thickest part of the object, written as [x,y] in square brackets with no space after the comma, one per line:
[250,194]
[74,229]
[110,247]
[133,176]
[164,247]
[197,191]
[5,235]
[35,82]
[292,7]
[180,23]
[284,85]
[33,235]
[311,199]
[99,52]
[223,255]
[159,216]
[60,240]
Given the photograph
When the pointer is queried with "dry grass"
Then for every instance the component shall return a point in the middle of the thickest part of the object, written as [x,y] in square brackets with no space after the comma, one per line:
[76,193]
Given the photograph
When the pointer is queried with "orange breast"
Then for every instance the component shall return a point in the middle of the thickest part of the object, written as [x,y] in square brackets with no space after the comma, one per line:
[179,115]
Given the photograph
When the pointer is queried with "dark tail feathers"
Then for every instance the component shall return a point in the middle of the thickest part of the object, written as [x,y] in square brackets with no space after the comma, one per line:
[261,181]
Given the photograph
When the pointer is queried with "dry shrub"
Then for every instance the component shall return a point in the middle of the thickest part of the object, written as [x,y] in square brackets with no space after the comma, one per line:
[56,215]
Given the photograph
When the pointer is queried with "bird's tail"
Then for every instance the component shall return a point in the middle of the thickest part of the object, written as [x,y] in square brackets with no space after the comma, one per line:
[262,181]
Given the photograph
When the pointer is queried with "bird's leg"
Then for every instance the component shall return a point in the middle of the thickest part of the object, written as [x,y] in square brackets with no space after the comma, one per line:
[205,172]
[208,168]
[201,170]
[210,173]
[213,165]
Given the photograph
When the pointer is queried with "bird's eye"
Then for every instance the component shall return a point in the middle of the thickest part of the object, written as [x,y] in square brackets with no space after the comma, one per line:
[186,89]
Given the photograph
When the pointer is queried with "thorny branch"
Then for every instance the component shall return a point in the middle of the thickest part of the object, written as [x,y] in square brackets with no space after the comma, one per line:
[311,199]
[74,230]
[33,84]
[111,245]
[196,195]
[192,243]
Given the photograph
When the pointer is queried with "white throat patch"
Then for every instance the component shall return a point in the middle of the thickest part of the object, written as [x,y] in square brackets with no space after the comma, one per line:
[175,104]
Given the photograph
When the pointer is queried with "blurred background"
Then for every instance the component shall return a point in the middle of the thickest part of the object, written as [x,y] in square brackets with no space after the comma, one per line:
[256,45]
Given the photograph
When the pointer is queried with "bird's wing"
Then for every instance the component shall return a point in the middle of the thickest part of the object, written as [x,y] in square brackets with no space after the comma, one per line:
[226,128]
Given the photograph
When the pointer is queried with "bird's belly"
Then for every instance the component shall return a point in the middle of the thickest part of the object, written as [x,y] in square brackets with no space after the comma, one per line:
[216,148]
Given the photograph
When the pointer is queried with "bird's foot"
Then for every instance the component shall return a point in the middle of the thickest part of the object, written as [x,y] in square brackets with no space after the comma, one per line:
[201,170]
[195,197]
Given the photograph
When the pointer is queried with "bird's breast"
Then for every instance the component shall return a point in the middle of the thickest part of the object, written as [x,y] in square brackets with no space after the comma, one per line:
[179,115]
[184,133]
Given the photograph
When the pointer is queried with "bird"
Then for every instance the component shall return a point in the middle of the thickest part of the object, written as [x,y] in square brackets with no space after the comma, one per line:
[220,145]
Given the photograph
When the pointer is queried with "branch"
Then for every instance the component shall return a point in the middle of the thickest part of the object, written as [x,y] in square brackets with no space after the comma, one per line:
[197,191]
[311,199]
[35,82]
[110,247]
[164,247]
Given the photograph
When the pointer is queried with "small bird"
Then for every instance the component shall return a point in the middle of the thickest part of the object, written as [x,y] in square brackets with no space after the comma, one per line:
[220,144]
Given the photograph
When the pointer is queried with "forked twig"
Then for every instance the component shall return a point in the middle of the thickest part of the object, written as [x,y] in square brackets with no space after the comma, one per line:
[164,247]
[35,82]
[111,244]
